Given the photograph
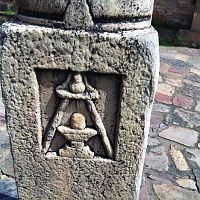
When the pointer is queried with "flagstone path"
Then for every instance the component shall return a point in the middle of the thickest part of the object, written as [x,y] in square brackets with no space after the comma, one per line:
[172,164]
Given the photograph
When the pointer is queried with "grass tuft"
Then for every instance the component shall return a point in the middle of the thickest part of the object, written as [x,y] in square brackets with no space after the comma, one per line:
[8,13]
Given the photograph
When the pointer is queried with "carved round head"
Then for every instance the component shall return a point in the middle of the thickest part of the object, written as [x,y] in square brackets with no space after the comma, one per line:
[103,14]
[78,78]
[77,121]
[77,85]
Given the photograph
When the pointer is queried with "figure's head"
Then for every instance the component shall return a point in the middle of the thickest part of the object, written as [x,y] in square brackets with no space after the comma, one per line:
[77,78]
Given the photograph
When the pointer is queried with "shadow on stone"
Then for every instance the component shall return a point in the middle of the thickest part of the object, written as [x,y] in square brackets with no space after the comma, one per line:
[6,197]
[8,190]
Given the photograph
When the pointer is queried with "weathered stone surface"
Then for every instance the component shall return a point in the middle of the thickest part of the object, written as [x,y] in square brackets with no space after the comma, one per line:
[6,162]
[157,107]
[78,14]
[117,58]
[40,6]
[180,135]
[182,56]
[189,90]
[4,142]
[179,71]
[133,14]
[187,183]
[164,64]
[163,98]
[197,108]
[8,190]
[195,71]
[195,61]
[171,192]
[156,119]
[119,9]
[99,9]
[165,89]
[170,53]
[174,80]
[195,155]
[157,159]
[144,190]
[7,166]
[193,80]
[186,118]
[153,141]
[183,101]
[161,177]
[197,177]
[178,159]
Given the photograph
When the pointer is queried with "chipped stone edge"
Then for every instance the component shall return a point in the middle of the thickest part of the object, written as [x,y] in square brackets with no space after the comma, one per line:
[148,111]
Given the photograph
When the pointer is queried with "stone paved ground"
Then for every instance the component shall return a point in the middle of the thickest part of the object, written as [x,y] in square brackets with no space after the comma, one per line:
[172,165]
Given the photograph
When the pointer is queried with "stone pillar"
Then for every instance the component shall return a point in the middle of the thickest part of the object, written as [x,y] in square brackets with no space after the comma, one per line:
[192,37]
[78,91]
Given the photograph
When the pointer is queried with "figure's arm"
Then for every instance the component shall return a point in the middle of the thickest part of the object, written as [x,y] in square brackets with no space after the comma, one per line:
[100,127]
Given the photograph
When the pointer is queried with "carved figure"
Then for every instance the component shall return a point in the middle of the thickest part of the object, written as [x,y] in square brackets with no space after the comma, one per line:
[76,87]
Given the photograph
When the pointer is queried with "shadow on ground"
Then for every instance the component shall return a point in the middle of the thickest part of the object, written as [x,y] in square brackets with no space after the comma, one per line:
[6,197]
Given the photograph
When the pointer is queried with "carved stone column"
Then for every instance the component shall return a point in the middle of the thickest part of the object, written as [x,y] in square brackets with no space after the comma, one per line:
[78,88]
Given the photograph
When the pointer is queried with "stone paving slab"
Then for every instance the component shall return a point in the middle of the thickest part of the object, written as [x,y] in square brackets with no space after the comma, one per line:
[180,135]
[177,106]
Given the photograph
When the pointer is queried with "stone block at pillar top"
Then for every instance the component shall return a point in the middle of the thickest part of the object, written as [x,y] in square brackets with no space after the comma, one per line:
[104,15]
[110,78]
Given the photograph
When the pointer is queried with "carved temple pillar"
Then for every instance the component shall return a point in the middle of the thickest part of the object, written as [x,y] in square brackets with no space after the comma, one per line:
[79,79]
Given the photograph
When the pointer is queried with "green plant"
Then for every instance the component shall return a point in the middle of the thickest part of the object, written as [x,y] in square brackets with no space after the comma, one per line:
[8,13]
[179,40]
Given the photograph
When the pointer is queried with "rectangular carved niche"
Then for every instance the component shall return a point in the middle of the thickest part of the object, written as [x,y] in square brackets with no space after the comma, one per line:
[79,113]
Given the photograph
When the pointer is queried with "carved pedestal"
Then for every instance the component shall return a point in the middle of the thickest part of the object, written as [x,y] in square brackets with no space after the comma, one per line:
[78,105]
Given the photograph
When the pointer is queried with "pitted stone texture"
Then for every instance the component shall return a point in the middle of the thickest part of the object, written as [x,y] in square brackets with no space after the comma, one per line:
[187,183]
[172,192]
[78,14]
[131,54]
[8,190]
[180,135]
[120,8]
[78,121]
[6,162]
[157,159]
[110,15]
[195,155]
[178,159]
[41,6]
[99,8]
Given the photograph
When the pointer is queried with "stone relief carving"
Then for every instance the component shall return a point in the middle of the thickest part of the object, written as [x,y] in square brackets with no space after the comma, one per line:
[77,88]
